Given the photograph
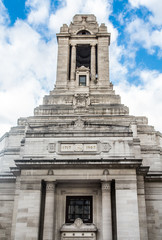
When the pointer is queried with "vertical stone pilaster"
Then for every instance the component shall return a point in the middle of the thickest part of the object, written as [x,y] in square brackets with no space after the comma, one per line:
[106,211]
[16,199]
[49,212]
[62,63]
[103,62]
[93,63]
[142,208]
[127,210]
[28,210]
[73,62]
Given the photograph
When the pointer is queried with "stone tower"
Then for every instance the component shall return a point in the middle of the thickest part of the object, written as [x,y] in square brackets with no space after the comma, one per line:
[81,167]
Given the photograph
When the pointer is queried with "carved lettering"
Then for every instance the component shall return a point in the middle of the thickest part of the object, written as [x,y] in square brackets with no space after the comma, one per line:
[78,147]
[67,147]
[90,147]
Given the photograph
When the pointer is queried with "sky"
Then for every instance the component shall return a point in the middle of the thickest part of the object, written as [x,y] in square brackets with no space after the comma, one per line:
[28,53]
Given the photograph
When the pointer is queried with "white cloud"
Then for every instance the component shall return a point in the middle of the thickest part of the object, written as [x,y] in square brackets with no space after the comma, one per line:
[28,65]
[117,70]
[101,9]
[142,33]
[39,11]
[146,99]
[4,18]
[19,101]
[22,50]
[154,6]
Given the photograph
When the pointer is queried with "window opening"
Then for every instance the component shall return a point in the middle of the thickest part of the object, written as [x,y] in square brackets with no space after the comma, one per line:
[79,207]
[82,80]
[83,32]
[83,55]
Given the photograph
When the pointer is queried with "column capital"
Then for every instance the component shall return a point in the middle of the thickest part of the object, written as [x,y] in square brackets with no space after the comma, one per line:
[73,44]
[106,186]
[93,44]
[50,186]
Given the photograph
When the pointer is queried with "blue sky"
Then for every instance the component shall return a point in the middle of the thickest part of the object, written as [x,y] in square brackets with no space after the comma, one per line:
[28,53]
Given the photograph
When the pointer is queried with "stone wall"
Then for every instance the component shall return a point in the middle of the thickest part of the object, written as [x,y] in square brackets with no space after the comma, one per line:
[7,190]
[28,211]
[154,210]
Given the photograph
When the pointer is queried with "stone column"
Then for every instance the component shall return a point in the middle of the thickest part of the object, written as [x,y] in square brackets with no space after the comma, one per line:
[106,211]
[103,62]
[93,62]
[73,62]
[49,212]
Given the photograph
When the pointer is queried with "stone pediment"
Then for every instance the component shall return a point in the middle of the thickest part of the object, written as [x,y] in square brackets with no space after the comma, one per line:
[82,69]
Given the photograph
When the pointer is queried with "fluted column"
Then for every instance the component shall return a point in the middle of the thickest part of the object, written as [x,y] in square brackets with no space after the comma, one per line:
[93,63]
[106,211]
[73,62]
[49,212]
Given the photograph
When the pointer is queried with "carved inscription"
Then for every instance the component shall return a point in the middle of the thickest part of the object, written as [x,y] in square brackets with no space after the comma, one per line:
[67,147]
[78,147]
[90,147]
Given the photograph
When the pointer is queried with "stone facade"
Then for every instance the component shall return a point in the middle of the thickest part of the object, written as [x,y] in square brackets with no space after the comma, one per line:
[81,167]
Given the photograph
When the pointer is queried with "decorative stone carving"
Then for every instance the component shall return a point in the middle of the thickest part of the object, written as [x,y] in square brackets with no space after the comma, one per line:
[51,147]
[78,230]
[106,186]
[82,69]
[84,19]
[81,100]
[78,222]
[50,172]
[78,147]
[50,186]
[106,172]
[79,124]
[106,147]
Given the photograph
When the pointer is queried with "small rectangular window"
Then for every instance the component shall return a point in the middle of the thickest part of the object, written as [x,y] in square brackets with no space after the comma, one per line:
[79,207]
[82,80]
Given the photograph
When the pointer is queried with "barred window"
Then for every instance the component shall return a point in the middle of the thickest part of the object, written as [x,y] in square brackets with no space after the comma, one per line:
[79,207]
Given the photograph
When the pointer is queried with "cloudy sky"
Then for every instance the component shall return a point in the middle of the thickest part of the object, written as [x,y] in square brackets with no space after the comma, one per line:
[28,53]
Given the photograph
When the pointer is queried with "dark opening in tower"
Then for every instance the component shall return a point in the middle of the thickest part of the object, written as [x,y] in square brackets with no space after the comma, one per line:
[83,55]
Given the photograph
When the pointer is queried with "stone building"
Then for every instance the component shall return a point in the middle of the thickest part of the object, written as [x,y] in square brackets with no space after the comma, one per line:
[81,168]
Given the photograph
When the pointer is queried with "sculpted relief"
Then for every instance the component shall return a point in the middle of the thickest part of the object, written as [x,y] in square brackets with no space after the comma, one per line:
[81,100]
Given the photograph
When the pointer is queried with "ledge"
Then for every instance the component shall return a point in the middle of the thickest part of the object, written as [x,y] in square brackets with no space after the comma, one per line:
[78,226]
[154,176]
[78,163]
[7,177]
